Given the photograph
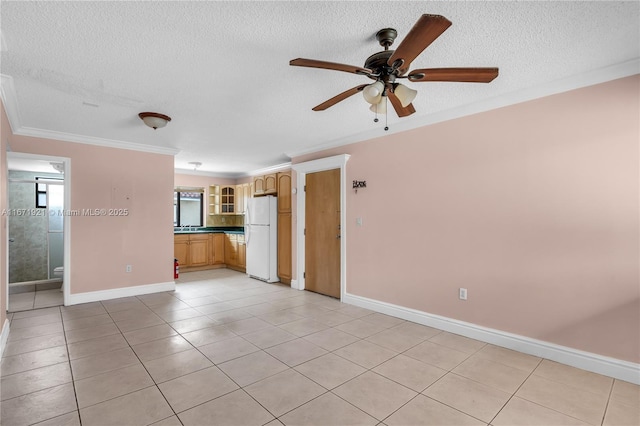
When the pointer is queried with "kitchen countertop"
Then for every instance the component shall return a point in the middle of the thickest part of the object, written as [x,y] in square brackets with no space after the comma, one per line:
[212,230]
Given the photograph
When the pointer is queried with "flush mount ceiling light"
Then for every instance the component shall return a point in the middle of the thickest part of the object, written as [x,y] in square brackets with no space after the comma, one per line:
[59,167]
[154,119]
[195,164]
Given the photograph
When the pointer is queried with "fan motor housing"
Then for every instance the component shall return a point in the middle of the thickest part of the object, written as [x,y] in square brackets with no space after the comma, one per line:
[378,64]
[386,37]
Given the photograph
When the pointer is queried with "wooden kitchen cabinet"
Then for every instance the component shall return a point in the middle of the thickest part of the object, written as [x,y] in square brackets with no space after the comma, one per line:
[258,185]
[270,184]
[284,192]
[265,185]
[242,253]
[284,247]
[181,249]
[284,226]
[243,193]
[231,250]
[198,249]
[235,252]
[216,249]
[191,249]
[227,200]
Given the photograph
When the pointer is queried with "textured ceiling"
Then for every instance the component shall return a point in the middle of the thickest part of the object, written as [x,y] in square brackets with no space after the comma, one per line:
[82,71]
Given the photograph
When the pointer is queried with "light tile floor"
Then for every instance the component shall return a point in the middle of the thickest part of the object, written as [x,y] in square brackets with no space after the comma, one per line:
[35,300]
[225,349]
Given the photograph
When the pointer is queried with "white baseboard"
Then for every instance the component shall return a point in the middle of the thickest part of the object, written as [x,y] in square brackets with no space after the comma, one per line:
[4,336]
[612,367]
[116,293]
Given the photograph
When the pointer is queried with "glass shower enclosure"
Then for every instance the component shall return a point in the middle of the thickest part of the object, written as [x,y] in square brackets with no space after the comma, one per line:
[36,231]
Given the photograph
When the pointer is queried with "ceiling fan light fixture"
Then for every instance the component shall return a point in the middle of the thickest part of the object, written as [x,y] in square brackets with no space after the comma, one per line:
[373,92]
[405,94]
[380,107]
[154,120]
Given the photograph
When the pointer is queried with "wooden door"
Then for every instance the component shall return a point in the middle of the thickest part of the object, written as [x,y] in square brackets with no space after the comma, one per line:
[322,242]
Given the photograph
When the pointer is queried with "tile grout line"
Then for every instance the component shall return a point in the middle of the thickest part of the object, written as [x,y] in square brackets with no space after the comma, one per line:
[533,402]
[516,391]
[141,363]
[450,371]
[267,353]
[73,382]
[242,388]
[256,314]
[606,407]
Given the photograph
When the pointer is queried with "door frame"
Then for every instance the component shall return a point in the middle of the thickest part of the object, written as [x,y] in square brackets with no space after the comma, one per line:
[301,169]
[66,234]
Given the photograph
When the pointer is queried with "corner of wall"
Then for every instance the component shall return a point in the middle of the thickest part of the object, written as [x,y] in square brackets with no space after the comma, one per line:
[4,336]
[5,133]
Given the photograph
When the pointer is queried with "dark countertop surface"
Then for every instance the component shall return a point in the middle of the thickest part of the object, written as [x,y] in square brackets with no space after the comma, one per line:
[210,230]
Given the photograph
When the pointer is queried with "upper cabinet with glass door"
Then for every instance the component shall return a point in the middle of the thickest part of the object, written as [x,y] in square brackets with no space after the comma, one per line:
[227,200]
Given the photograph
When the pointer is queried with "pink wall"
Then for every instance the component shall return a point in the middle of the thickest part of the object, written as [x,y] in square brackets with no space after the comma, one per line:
[533,208]
[102,246]
[5,133]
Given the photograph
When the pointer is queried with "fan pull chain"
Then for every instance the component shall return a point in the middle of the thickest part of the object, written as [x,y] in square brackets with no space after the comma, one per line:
[386,113]
[375,120]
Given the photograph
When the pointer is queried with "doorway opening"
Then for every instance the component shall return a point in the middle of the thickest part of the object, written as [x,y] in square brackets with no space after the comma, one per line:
[37,193]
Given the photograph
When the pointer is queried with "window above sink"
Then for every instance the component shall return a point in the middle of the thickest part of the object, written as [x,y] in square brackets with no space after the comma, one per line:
[188,206]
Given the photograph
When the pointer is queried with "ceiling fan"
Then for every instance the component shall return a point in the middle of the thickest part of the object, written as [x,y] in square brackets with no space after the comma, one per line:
[387,66]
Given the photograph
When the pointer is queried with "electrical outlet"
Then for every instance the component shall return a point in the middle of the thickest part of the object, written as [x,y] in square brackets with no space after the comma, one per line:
[463,294]
[128,268]
[359,221]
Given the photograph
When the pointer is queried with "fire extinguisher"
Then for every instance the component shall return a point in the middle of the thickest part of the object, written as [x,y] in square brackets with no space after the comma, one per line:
[176,269]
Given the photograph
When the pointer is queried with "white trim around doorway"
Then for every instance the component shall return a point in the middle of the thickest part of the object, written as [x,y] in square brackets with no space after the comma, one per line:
[301,169]
[66,220]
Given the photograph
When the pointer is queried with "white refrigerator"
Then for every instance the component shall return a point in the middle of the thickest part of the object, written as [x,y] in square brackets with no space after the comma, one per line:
[261,237]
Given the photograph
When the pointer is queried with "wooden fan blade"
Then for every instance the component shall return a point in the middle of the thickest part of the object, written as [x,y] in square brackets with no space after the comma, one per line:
[341,97]
[467,75]
[397,105]
[312,63]
[424,32]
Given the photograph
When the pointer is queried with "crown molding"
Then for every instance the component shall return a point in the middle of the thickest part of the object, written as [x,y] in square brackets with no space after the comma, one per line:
[9,99]
[589,78]
[192,172]
[270,169]
[231,175]
[90,140]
